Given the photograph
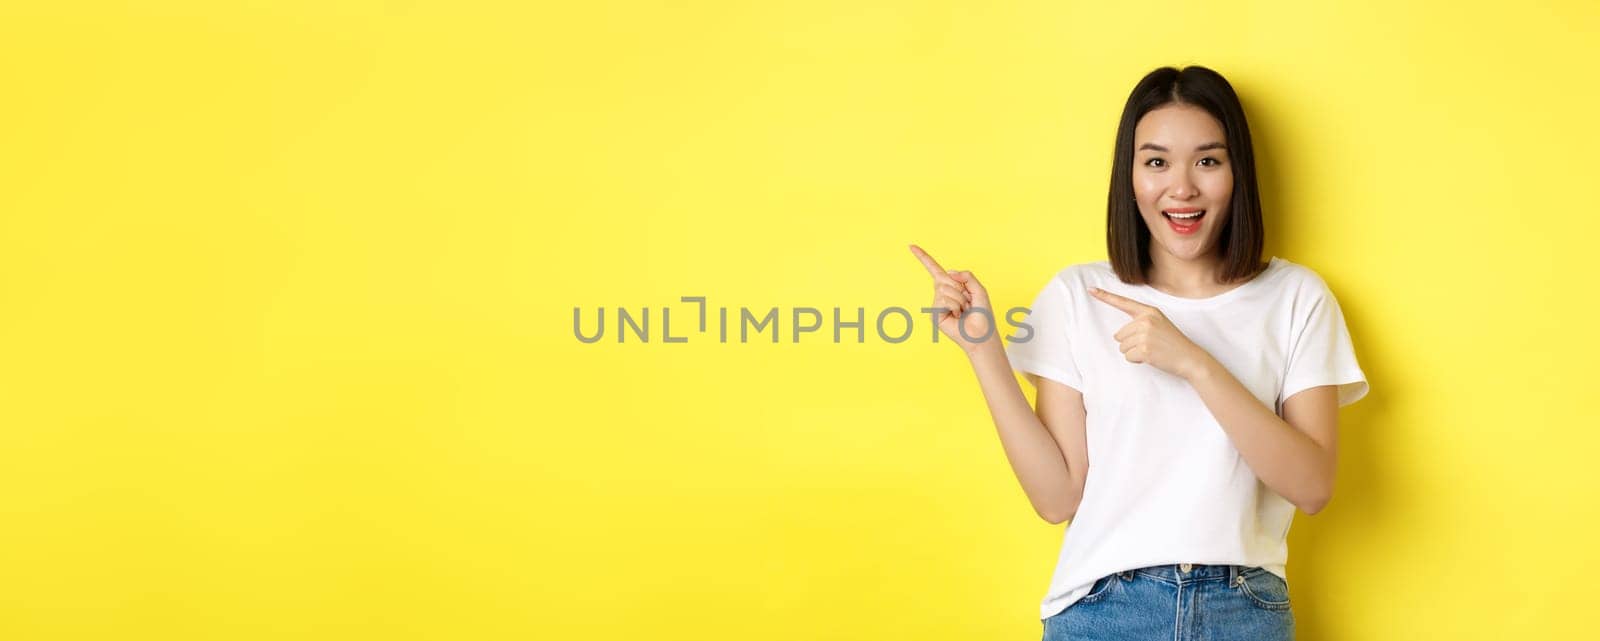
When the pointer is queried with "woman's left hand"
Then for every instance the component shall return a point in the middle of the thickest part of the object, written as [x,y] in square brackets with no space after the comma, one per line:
[1151,338]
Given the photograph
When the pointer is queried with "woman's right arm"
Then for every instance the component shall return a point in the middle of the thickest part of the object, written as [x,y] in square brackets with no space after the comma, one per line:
[1047,449]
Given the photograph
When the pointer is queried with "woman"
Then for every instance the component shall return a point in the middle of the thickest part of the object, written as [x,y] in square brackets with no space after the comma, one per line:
[1188,393]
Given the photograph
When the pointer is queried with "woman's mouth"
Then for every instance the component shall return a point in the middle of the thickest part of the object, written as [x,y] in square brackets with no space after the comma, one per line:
[1184,221]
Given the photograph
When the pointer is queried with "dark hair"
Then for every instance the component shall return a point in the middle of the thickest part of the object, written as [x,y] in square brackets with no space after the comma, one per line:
[1127,237]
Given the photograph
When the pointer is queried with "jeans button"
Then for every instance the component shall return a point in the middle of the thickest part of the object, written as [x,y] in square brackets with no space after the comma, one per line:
[1185,567]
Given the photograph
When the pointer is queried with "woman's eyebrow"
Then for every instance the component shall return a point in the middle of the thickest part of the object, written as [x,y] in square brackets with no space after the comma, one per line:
[1209,145]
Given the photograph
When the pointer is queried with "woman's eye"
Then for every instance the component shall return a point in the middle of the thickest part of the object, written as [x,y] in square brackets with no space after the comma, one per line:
[1213,160]
[1150,162]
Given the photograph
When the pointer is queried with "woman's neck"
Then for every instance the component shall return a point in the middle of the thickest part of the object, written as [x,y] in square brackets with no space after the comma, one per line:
[1196,278]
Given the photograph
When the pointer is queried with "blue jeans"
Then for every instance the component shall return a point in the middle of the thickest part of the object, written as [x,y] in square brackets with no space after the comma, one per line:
[1180,602]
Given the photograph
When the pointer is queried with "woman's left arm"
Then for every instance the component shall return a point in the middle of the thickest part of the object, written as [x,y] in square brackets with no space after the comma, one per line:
[1295,455]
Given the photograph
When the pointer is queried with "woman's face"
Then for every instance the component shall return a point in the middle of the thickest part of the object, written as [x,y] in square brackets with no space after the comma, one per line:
[1181,168]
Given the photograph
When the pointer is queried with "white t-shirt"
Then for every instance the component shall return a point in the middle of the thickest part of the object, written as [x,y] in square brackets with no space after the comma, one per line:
[1165,483]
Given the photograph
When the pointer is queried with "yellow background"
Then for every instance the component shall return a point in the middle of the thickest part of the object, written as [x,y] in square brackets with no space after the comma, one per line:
[286,294]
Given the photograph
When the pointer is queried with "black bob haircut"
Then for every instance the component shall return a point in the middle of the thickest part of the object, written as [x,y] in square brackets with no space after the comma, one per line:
[1242,236]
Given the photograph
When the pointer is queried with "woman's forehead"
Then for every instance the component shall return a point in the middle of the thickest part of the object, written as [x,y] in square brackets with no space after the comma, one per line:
[1177,127]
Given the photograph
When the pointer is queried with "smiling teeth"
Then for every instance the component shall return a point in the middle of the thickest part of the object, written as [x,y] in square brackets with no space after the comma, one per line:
[1188,215]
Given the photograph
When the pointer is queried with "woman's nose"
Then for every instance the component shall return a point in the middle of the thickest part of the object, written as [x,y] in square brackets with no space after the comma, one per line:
[1182,187]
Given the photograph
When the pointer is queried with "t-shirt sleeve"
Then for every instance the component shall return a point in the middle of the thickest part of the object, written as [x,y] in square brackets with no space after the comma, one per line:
[1321,352]
[1040,345]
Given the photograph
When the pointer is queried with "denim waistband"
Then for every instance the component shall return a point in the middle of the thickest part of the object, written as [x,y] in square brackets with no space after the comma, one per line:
[1182,573]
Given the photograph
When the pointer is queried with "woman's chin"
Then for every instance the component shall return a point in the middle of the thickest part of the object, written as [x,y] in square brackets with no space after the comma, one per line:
[1187,249]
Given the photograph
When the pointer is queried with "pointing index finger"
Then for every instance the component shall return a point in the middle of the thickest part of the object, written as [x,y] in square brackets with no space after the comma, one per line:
[928,262]
[1127,305]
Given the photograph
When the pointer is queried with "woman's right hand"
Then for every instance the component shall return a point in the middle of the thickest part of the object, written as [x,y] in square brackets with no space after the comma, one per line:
[958,292]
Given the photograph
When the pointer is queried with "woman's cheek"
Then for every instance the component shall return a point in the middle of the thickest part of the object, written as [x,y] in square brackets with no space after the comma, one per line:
[1224,183]
[1146,189]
